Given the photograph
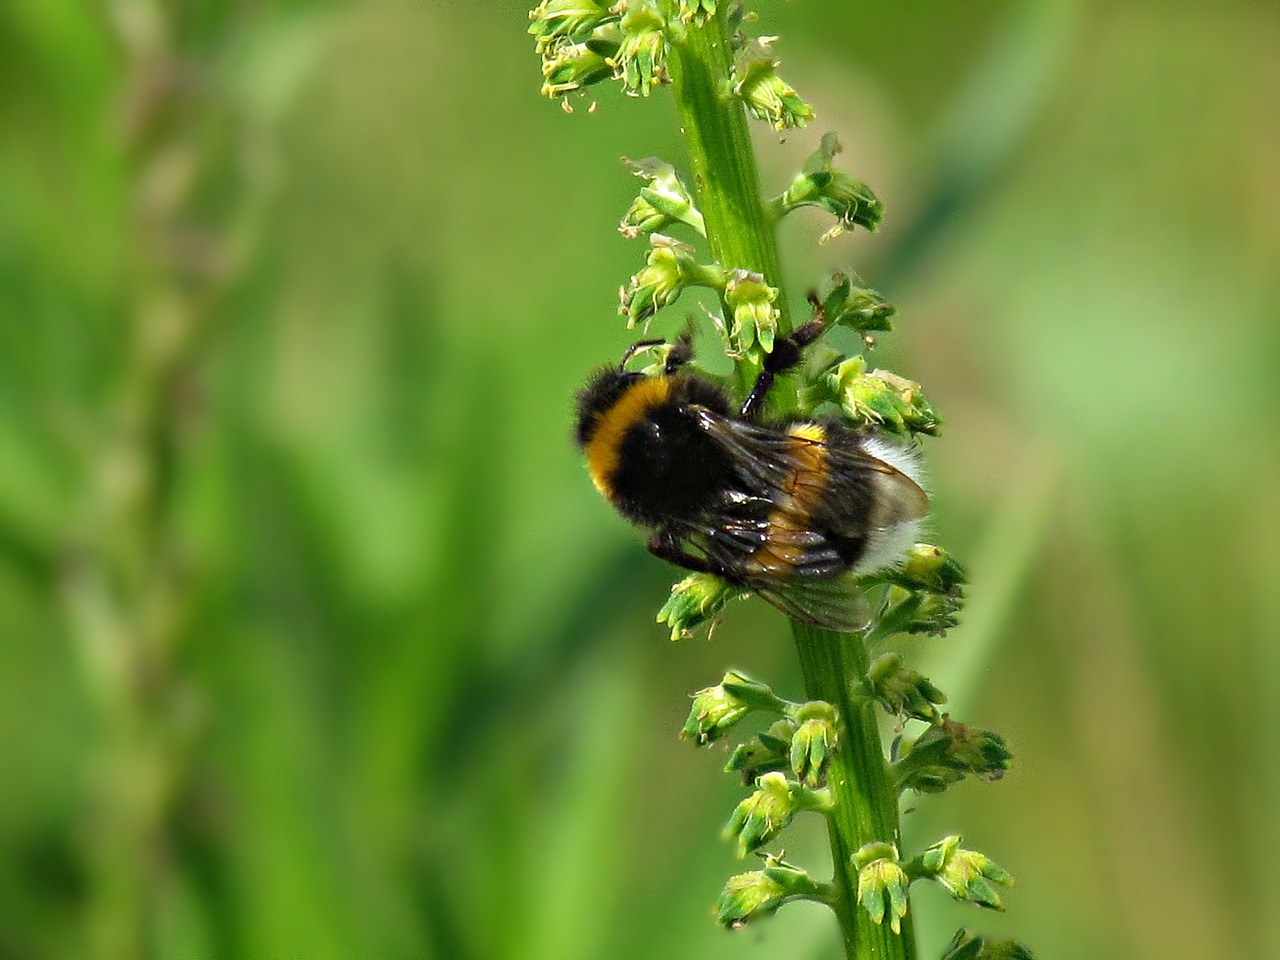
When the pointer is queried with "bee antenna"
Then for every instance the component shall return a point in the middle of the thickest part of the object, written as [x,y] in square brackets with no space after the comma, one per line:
[634,348]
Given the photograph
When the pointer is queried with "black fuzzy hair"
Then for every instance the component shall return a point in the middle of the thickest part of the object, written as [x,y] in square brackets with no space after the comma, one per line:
[602,391]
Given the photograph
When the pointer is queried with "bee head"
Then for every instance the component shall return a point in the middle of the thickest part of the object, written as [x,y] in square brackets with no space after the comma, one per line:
[605,388]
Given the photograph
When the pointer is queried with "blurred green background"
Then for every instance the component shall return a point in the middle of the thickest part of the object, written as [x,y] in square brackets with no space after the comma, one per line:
[315,640]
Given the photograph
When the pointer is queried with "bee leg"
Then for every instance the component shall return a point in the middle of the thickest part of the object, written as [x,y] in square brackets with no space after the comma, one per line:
[785,354]
[665,547]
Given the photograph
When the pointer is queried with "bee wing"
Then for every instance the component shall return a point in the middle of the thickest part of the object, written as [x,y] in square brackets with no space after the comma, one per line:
[764,458]
[758,547]
[832,602]
[846,489]
[863,486]
[803,500]
[808,582]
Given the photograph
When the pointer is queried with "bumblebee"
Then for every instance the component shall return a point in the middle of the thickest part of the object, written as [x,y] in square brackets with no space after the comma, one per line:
[791,510]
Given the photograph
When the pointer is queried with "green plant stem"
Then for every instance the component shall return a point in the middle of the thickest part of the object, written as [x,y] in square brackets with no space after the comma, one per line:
[741,234]
[723,163]
[128,595]
[866,805]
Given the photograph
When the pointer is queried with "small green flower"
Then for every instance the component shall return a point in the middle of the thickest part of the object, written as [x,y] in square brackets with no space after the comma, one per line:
[700,10]
[695,600]
[664,200]
[904,692]
[759,696]
[755,318]
[670,268]
[882,884]
[847,303]
[966,874]
[766,752]
[766,95]
[928,567]
[935,614]
[882,399]
[915,612]
[981,753]
[760,817]
[948,752]
[558,21]
[641,60]
[714,713]
[926,594]
[966,945]
[747,896]
[571,66]
[820,184]
[716,709]
[813,742]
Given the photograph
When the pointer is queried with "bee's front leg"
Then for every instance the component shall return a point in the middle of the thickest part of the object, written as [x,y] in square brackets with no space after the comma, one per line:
[785,354]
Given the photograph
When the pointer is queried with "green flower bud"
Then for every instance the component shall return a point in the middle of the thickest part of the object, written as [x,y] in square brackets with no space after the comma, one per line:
[572,21]
[764,753]
[760,817]
[848,303]
[694,601]
[882,399]
[820,184]
[759,696]
[981,753]
[917,612]
[716,709]
[903,692]
[700,10]
[665,200]
[766,95]
[813,742]
[965,945]
[759,893]
[713,714]
[571,66]
[935,615]
[882,884]
[876,850]
[928,567]
[669,269]
[641,60]
[925,597]
[947,753]
[755,319]
[966,874]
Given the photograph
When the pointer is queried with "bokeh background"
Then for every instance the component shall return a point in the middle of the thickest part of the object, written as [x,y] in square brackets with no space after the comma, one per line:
[315,641]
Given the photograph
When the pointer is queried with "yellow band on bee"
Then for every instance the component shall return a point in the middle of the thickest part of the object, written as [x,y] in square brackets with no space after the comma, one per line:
[782,550]
[604,448]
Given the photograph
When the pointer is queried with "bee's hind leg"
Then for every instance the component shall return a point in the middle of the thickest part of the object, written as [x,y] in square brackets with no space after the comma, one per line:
[785,354]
